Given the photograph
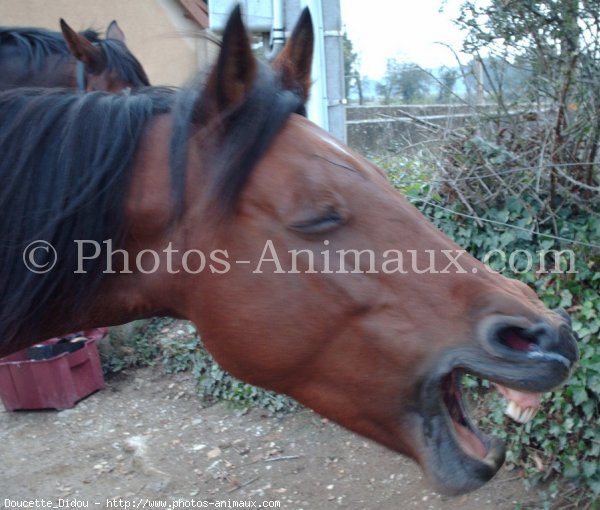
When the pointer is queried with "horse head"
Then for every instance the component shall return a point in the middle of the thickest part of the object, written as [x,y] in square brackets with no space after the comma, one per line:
[106,64]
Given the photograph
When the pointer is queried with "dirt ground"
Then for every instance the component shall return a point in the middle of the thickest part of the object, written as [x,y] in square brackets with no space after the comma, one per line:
[147,441]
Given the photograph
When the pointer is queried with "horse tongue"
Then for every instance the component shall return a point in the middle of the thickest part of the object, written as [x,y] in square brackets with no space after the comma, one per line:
[521,406]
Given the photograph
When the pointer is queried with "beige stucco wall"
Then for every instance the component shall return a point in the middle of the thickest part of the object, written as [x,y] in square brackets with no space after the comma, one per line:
[153,29]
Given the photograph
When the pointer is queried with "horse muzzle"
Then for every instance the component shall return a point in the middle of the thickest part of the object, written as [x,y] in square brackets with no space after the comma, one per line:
[522,360]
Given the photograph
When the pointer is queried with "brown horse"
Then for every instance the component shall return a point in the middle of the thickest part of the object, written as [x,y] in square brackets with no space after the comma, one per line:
[222,204]
[35,57]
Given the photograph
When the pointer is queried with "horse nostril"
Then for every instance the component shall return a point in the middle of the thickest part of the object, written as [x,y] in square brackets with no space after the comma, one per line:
[544,335]
[540,341]
[517,339]
[541,336]
[562,312]
[513,337]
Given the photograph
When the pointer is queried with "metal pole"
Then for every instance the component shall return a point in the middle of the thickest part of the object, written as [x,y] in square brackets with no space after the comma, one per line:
[326,105]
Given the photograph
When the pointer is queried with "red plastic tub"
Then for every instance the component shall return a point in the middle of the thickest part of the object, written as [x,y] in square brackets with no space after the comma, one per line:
[57,382]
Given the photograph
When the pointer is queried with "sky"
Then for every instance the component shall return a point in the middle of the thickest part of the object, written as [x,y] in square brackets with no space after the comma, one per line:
[404,29]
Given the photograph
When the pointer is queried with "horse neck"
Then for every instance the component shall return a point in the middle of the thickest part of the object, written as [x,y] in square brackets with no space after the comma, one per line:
[152,226]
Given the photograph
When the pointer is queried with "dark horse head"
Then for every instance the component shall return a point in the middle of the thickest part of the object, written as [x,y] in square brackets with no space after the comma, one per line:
[303,269]
[35,57]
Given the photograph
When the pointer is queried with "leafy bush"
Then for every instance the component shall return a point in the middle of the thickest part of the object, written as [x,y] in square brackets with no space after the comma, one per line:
[131,345]
[537,62]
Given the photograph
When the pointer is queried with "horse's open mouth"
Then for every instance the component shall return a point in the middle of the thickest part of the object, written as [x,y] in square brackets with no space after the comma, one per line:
[521,407]
[457,456]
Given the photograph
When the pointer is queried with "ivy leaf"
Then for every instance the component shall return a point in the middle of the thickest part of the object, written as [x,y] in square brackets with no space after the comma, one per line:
[590,468]
[579,396]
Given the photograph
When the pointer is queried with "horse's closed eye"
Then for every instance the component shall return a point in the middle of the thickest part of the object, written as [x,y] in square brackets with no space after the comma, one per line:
[325,223]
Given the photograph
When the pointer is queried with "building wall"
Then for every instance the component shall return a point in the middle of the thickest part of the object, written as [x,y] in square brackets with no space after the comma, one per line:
[154,30]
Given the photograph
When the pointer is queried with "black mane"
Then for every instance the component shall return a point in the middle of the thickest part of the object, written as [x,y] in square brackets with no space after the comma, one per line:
[37,44]
[65,168]
[122,61]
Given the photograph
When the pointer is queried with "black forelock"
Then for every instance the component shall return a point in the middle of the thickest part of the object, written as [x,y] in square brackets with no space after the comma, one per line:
[244,134]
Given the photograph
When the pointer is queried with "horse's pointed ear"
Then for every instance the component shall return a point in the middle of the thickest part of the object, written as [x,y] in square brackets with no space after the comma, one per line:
[82,49]
[235,71]
[294,61]
[114,32]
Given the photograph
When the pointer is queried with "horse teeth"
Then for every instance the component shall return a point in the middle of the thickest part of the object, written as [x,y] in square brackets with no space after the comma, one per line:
[518,413]
[533,411]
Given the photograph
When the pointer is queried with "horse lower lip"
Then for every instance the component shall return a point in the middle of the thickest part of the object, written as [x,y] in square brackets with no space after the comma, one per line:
[453,466]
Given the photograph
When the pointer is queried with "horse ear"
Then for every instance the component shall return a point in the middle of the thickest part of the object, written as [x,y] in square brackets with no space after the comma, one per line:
[235,71]
[114,32]
[294,61]
[82,49]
